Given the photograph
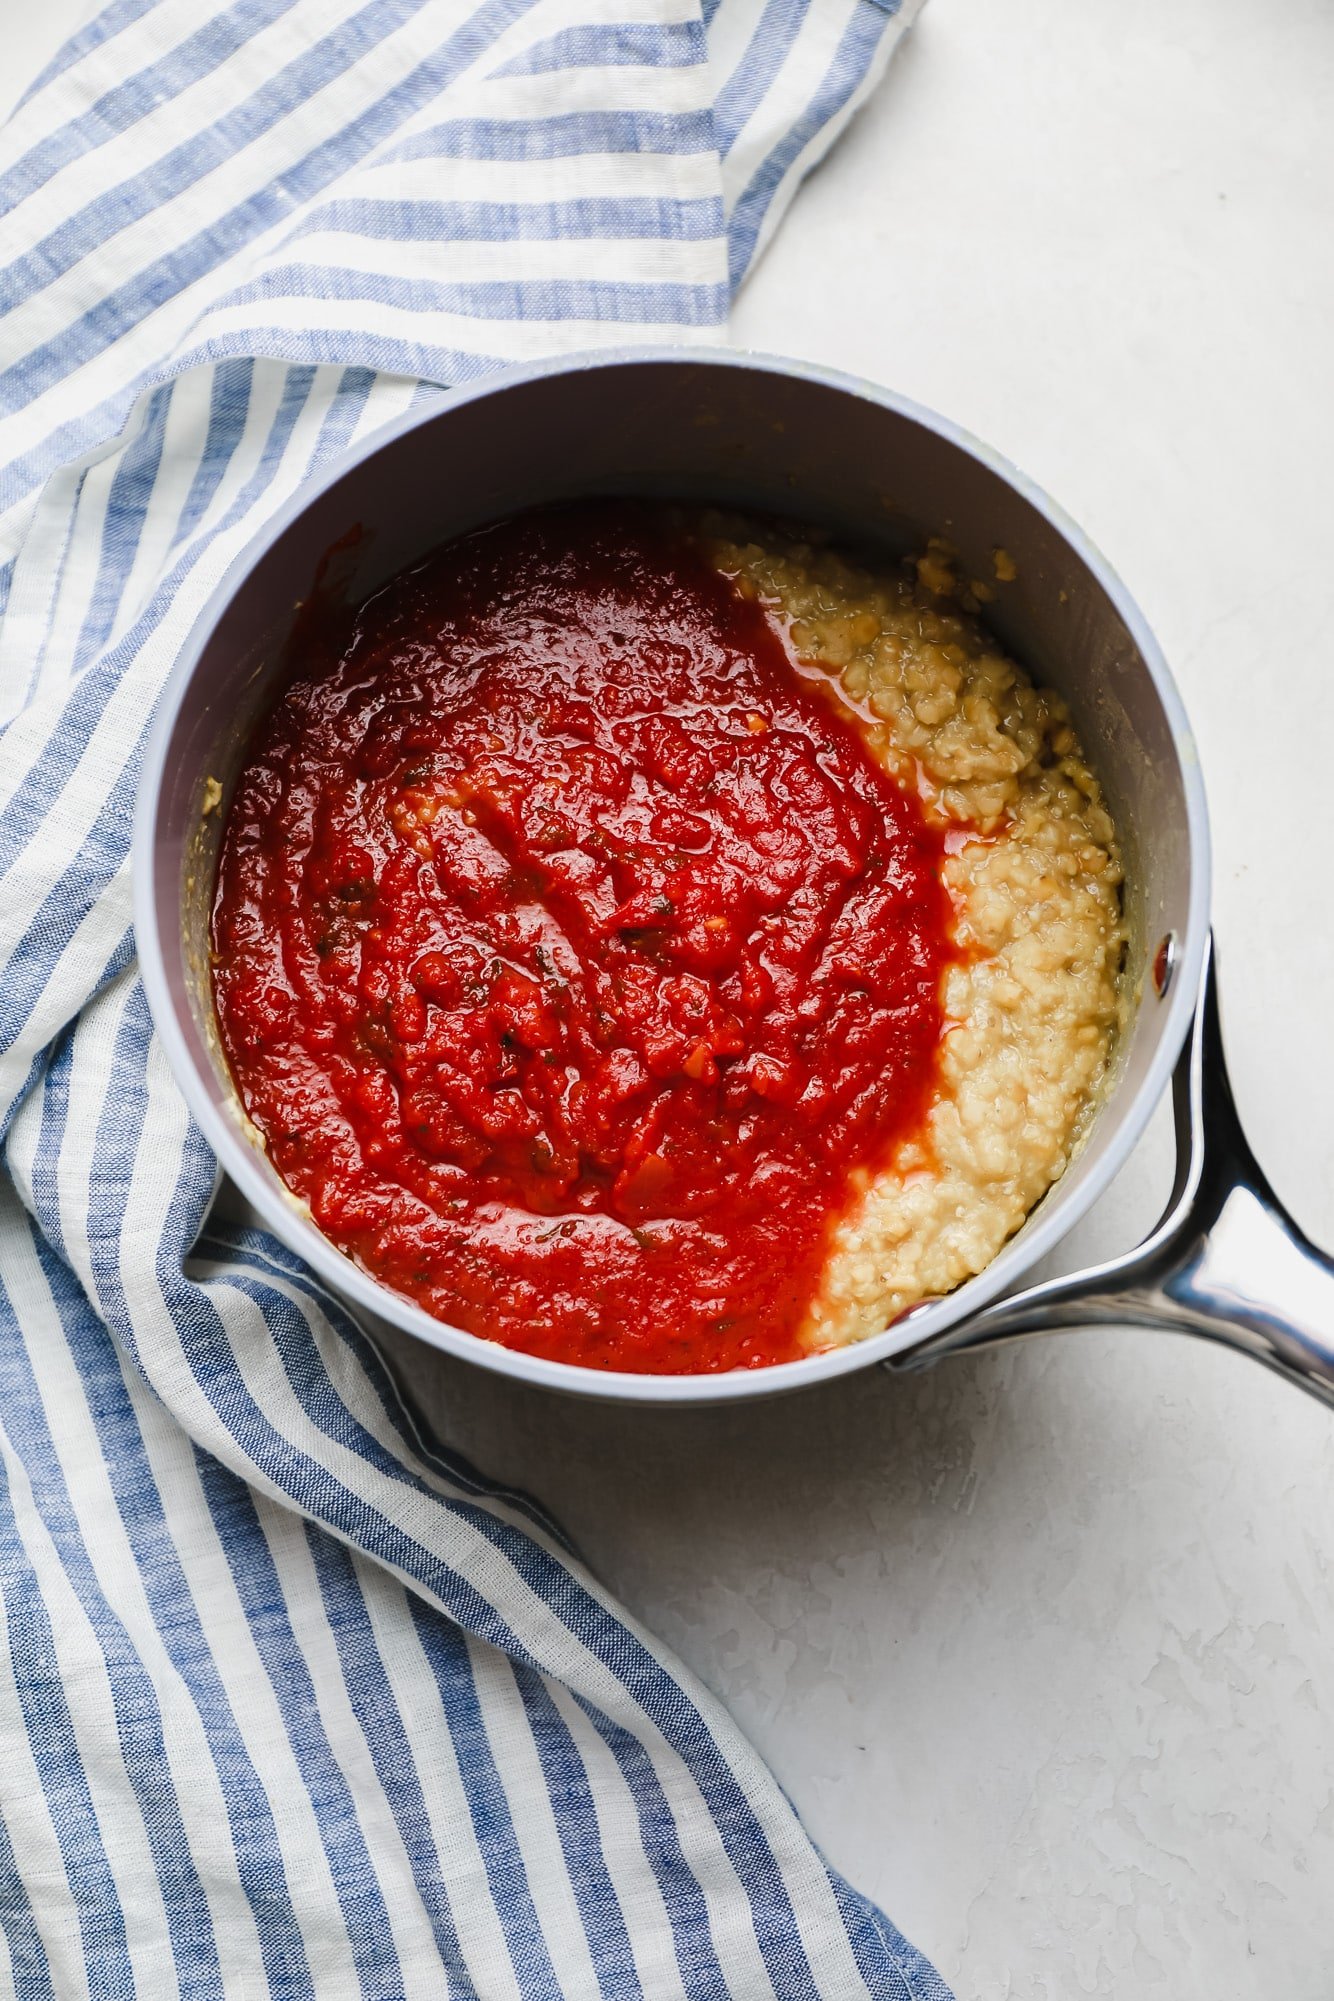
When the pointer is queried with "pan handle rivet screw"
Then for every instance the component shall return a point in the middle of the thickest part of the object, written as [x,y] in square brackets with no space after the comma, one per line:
[1164,963]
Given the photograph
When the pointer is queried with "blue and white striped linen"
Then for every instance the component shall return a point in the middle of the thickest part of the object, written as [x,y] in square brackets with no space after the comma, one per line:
[292,1703]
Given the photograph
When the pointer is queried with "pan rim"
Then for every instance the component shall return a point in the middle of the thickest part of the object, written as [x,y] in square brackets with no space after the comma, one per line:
[242,1161]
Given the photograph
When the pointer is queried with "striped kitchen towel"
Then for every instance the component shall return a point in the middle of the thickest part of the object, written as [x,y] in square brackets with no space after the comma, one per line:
[291,1702]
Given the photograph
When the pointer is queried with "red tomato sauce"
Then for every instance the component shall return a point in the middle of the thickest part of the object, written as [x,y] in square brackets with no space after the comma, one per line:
[571,952]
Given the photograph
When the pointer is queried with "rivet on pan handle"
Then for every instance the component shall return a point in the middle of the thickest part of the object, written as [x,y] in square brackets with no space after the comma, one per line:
[1227,1261]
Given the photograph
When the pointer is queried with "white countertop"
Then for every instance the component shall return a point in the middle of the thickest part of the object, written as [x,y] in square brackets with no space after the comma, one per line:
[1042,1644]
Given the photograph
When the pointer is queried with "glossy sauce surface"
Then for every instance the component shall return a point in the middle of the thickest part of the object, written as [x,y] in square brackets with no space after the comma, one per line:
[571,952]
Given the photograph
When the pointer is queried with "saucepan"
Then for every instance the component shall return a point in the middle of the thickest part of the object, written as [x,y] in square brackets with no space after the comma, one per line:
[787,438]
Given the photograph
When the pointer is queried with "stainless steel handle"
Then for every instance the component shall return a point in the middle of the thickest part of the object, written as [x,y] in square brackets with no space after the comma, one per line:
[1227,1260]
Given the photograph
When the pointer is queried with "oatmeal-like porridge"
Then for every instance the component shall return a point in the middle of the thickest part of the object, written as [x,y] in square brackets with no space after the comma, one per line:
[1034,874]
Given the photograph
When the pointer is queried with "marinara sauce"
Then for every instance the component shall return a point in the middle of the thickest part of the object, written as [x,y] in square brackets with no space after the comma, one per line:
[571,951]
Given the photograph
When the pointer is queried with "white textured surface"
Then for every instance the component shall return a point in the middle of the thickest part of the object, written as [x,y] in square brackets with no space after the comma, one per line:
[1043,1644]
